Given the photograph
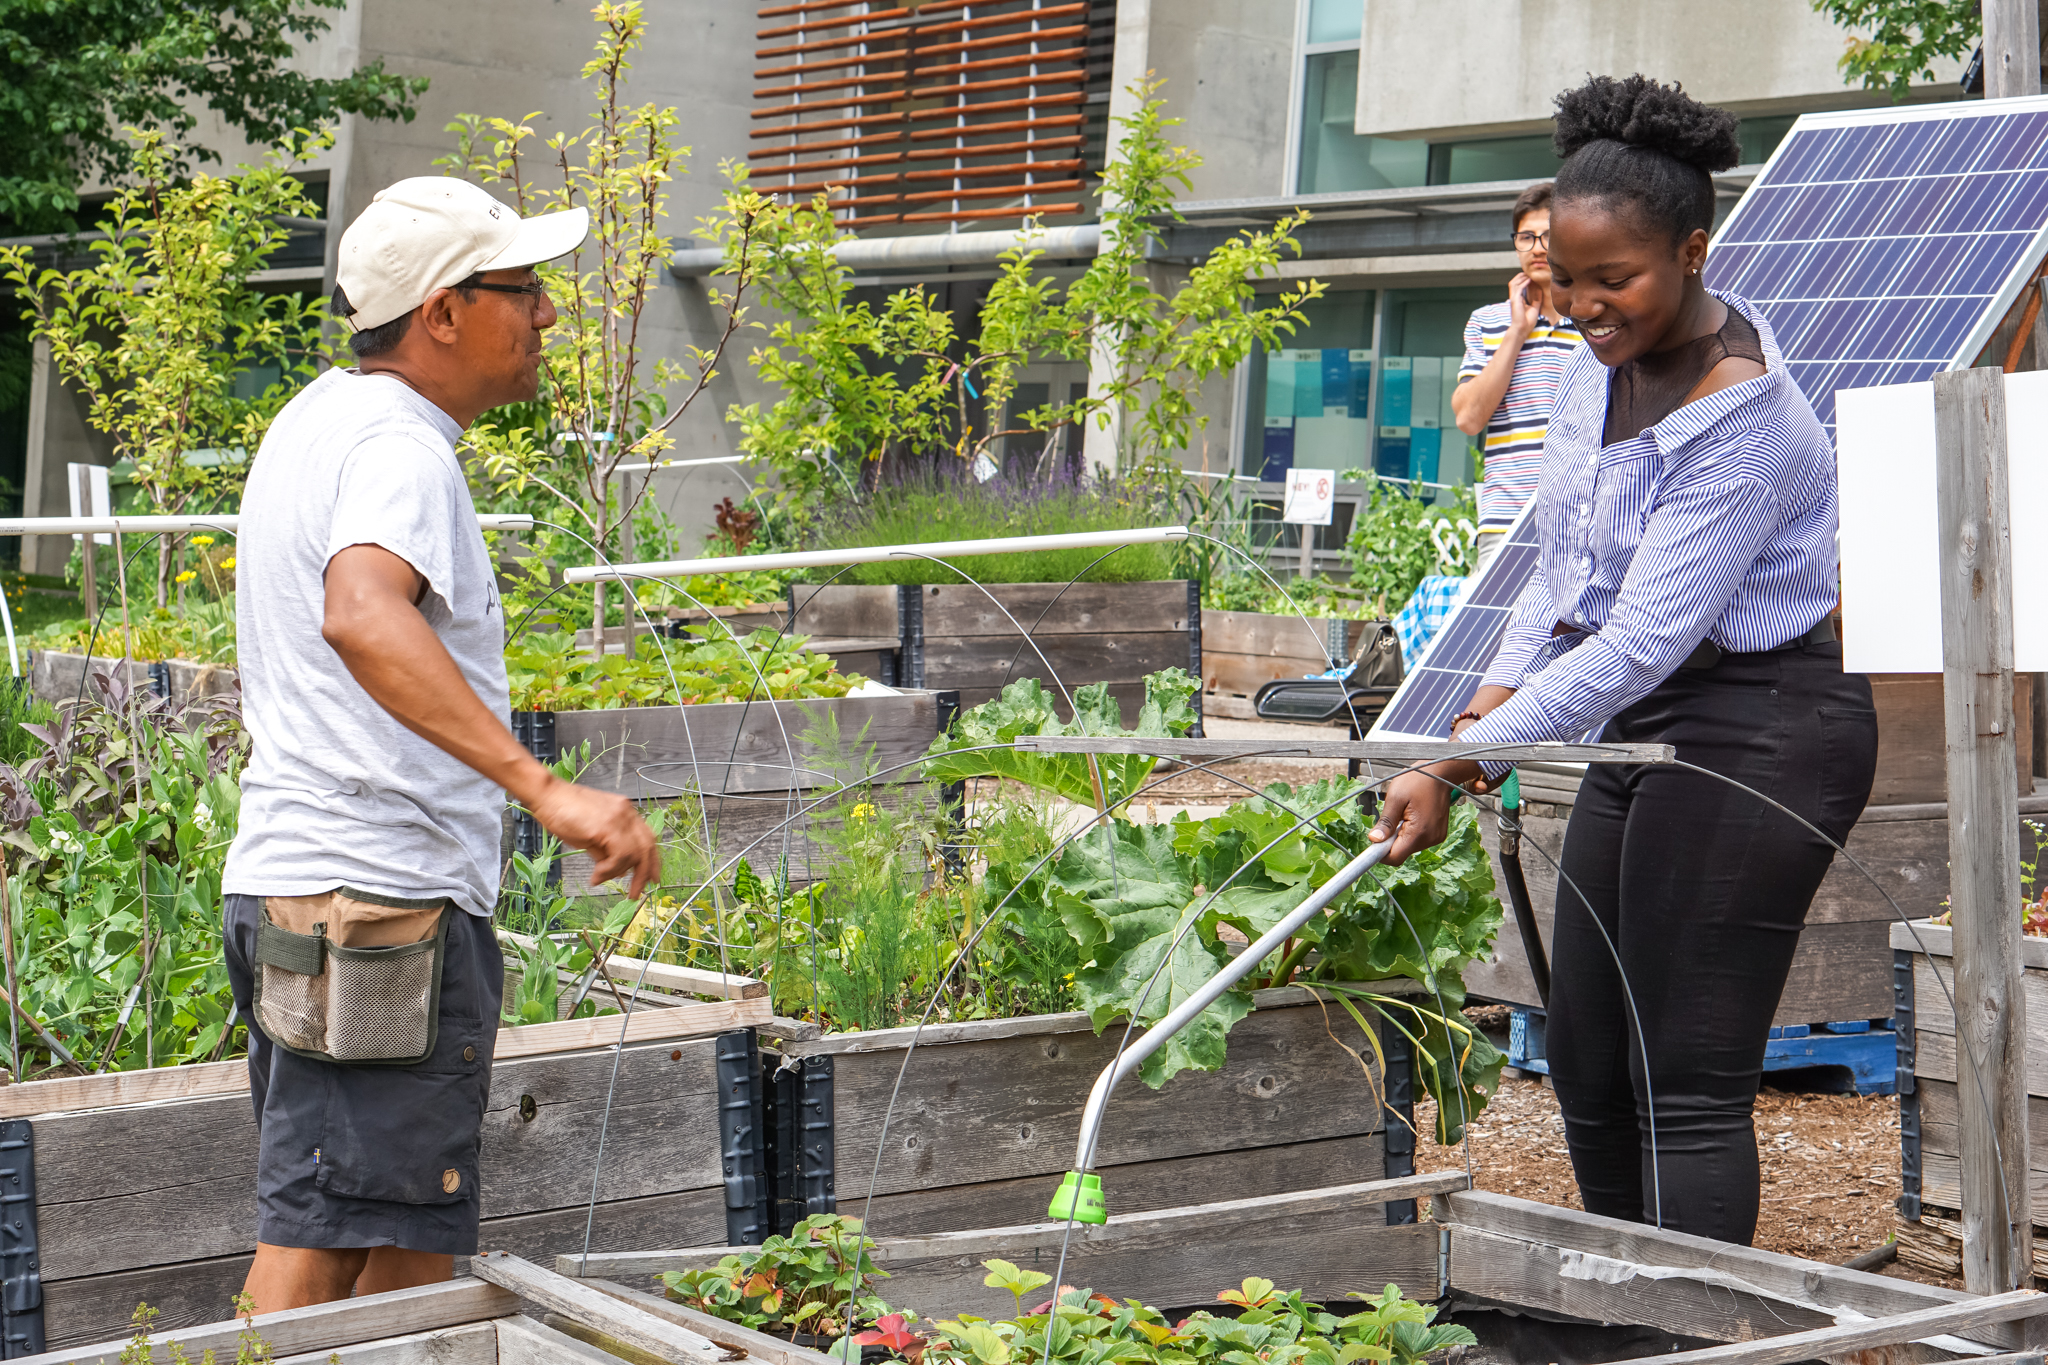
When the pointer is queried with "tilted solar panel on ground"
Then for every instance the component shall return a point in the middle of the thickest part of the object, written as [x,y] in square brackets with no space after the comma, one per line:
[1883,247]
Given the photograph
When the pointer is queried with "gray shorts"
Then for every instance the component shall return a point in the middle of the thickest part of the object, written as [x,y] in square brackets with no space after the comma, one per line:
[369,1156]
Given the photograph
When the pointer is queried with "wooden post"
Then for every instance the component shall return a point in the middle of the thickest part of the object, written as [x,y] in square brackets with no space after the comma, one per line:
[2012,48]
[1983,824]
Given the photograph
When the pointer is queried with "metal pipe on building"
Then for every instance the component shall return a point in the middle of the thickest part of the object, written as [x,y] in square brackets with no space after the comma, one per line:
[932,251]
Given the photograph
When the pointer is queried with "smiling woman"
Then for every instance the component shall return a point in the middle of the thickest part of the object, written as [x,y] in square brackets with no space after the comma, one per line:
[1683,595]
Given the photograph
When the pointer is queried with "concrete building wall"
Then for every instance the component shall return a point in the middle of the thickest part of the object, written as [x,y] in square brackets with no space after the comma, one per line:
[1471,68]
[1227,66]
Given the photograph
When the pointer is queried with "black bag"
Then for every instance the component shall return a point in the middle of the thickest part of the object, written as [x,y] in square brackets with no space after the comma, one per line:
[1377,656]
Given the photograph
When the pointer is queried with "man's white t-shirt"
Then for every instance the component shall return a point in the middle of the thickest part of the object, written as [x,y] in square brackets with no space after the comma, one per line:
[337,793]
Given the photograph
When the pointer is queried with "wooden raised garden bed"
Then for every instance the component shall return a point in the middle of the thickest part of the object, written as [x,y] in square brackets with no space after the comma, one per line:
[1930,1146]
[749,763]
[58,677]
[142,1183]
[956,638]
[989,1112]
[1242,651]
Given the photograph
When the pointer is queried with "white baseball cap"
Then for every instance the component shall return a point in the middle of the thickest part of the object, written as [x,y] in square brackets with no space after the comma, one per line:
[429,232]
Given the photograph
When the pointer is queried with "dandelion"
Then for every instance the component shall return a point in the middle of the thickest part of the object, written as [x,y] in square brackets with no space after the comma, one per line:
[202,540]
[187,576]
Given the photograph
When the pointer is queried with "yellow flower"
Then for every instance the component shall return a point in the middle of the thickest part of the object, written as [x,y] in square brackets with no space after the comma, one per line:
[863,811]
[228,563]
[187,576]
[202,540]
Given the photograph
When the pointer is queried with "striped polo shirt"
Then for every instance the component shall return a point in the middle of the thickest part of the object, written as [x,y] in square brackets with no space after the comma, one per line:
[1514,435]
[1717,523]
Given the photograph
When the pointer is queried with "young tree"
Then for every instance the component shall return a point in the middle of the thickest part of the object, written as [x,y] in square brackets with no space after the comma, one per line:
[1906,38]
[857,382]
[600,406]
[73,75]
[157,332]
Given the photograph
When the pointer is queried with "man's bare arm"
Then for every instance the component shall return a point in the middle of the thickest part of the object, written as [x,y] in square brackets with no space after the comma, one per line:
[374,623]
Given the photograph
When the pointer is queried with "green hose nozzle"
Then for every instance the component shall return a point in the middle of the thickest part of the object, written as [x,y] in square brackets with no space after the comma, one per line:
[1511,790]
[1080,1198]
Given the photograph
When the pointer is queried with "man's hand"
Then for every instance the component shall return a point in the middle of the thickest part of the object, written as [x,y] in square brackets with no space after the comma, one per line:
[373,622]
[605,826]
[1522,314]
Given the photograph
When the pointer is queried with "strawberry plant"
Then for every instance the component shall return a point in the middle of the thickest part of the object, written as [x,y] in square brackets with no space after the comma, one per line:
[814,1280]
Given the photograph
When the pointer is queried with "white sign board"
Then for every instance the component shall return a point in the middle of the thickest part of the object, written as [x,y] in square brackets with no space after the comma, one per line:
[1890,542]
[1311,493]
[91,496]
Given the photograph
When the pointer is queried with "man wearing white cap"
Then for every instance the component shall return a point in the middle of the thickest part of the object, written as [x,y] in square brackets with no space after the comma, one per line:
[371,640]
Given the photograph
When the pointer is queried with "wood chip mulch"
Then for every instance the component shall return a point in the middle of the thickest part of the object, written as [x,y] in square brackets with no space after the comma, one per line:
[1829,1163]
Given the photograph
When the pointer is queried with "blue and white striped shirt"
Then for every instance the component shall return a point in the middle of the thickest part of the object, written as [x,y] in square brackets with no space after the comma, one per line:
[1717,523]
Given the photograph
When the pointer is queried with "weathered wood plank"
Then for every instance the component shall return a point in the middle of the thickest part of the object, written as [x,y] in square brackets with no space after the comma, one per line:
[1328,1242]
[580,1302]
[692,1019]
[522,1341]
[1139,1186]
[1044,609]
[622,1224]
[1934,1022]
[971,661]
[1912,743]
[1522,1268]
[100,1308]
[1031,1025]
[1264,635]
[1940,1144]
[108,1203]
[1948,1320]
[1938,940]
[759,1345]
[1972,514]
[604,1343]
[845,609]
[474,1343]
[326,1326]
[634,971]
[652,752]
[1382,750]
[973,1112]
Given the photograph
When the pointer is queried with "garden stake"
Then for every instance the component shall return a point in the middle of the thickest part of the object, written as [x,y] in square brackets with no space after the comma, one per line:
[141,864]
[7,945]
[1518,886]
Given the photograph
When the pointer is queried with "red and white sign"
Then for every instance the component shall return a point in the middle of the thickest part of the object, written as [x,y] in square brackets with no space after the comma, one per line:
[1311,493]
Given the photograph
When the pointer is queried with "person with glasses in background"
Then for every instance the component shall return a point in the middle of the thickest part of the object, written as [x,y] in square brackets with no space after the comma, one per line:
[1515,357]
[363,877]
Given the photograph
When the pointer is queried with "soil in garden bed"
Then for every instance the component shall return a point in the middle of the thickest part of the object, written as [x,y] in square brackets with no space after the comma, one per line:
[1830,1166]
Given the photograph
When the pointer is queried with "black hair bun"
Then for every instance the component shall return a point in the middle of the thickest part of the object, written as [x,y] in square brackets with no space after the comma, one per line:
[1644,113]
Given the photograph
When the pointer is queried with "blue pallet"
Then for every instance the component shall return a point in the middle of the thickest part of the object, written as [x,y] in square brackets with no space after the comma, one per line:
[1866,1049]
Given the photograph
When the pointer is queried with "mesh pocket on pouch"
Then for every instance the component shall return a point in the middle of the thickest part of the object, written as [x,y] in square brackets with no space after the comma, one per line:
[319,999]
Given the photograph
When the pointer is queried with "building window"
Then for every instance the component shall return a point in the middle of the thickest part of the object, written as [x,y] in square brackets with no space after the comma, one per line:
[1365,385]
[949,113]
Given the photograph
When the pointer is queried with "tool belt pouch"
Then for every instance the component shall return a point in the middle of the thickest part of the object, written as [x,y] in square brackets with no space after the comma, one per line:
[374,1005]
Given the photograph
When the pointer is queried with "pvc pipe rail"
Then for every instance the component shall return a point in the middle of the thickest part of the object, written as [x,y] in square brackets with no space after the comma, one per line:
[876,554]
[925,251]
[137,526]
[1235,971]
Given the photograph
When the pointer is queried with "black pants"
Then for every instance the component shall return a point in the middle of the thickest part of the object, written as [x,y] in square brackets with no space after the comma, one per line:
[1702,889]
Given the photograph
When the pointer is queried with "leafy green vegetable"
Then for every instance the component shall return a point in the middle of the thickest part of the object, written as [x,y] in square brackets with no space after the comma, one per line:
[548,672]
[1026,708]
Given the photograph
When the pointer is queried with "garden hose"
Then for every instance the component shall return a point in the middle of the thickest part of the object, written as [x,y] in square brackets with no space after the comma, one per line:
[1518,886]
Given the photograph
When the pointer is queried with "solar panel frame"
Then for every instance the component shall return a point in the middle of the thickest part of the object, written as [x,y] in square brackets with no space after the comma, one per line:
[1799,189]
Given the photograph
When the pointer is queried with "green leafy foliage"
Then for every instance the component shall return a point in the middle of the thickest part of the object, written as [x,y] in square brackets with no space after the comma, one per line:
[548,672]
[73,75]
[118,832]
[1390,550]
[1906,38]
[164,333]
[815,1280]
[1103,781]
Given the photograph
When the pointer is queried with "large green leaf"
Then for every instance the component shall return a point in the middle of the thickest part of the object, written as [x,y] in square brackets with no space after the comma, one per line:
[1026,708]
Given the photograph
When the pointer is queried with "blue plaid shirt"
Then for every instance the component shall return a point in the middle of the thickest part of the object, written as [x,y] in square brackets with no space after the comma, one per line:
[1431,604]
[1718,523]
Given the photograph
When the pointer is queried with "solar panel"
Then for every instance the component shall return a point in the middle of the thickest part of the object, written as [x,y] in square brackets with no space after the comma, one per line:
[1883,246]
[1441,682]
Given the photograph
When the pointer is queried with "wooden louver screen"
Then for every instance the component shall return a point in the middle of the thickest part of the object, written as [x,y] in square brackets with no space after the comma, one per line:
[946,111]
